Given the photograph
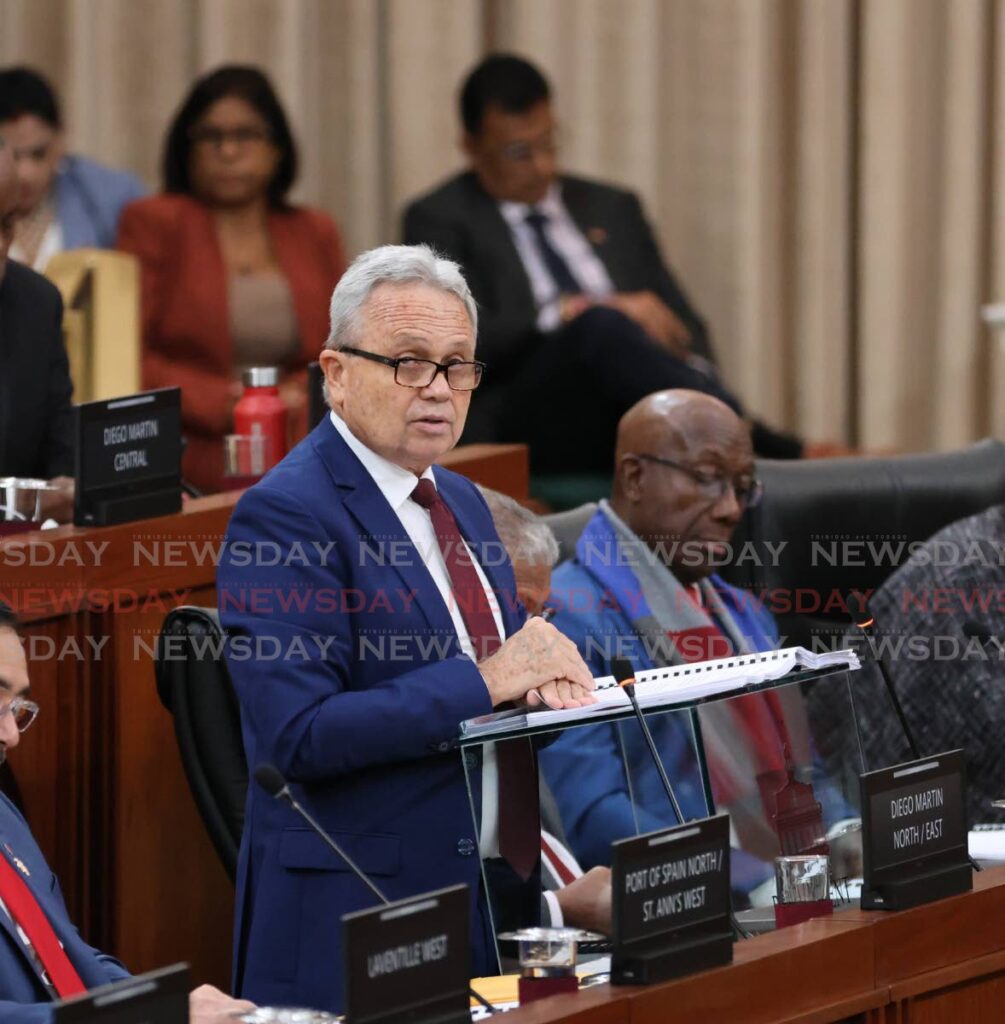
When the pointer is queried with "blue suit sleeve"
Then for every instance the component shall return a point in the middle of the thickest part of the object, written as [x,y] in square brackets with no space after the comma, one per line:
[113,970]
[25,1013]
[303,712]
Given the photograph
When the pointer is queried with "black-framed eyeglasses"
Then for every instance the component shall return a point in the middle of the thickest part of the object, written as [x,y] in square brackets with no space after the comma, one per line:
[747,490]
[23,712]
[211,137]
[410,372]
[521,152]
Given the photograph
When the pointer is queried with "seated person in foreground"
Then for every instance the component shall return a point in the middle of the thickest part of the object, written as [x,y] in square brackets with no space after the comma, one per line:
[36,411]
[940,631]
[232,274]
[641,588]
[580,311]
[43,957]
[65,201]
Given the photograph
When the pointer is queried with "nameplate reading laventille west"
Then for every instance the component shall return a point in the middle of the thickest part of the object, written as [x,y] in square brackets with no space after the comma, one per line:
[408,962]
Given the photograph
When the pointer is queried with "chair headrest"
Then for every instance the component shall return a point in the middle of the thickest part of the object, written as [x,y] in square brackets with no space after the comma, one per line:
[568,525]
[186,620]
[846,524]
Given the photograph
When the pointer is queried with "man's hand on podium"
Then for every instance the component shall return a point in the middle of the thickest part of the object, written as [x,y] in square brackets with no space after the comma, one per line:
[538,665]
[208,1005]
[586,902]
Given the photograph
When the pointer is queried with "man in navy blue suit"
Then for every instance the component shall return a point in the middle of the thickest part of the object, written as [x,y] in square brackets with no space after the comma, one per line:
[42,956]
[371,608]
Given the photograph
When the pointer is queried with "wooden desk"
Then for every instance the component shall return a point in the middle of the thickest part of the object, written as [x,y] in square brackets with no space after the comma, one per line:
[943,963]
[99,772]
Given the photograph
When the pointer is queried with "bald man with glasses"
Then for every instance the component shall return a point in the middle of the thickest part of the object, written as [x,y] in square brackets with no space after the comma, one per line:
[643,587]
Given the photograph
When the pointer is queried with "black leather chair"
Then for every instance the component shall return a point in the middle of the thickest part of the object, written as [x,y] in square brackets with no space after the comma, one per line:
[827,512]
[194,685]
[849,523]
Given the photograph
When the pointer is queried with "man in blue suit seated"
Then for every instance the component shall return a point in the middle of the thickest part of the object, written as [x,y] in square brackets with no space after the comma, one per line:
[379,610]
[42,956]
[641,587]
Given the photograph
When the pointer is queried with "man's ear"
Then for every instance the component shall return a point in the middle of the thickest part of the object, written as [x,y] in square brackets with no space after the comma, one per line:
[333,366]
[629,472]
[469,145]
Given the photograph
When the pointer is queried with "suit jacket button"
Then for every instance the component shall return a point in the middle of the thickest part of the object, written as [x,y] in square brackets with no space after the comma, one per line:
[465,847]
[443,747]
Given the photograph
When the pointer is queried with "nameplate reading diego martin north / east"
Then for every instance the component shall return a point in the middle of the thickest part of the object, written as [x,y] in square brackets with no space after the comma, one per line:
[914,833]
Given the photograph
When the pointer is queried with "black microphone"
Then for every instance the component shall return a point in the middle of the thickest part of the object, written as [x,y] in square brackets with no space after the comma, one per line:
[271,780]
[624,676]
[867,629]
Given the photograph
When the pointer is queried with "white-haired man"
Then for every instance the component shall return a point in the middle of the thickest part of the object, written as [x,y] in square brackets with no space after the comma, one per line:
[391,616]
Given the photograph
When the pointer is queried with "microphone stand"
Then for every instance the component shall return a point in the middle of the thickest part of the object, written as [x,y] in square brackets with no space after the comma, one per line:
[285,795]
[623,668]
[867,630]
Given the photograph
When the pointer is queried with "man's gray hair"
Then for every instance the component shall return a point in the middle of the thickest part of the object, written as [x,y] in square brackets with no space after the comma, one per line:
[392,264]
[525,536]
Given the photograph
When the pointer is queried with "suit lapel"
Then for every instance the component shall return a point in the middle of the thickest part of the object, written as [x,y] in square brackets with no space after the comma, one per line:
[494,236]
[387,542]
[595,230]
[7,922]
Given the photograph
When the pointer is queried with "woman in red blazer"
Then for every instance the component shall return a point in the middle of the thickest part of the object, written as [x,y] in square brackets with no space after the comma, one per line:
[232,275]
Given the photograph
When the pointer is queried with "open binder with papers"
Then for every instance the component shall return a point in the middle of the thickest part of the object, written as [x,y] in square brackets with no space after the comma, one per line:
[668,688]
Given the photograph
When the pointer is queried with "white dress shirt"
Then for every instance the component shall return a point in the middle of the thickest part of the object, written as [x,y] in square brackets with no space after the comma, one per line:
[52,242]
[397,484]
[568,241]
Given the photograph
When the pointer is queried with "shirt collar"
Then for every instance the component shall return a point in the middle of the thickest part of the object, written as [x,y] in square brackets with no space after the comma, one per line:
[551,206]
[395,482]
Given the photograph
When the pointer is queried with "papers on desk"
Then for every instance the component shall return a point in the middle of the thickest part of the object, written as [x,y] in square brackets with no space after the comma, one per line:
[668,687]
[986,843]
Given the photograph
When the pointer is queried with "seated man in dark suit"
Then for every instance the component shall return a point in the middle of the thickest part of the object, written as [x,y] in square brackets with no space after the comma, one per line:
[42,956]
[580,313]
[35,388]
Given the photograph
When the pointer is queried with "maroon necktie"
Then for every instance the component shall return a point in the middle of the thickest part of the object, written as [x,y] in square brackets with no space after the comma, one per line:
[519,812]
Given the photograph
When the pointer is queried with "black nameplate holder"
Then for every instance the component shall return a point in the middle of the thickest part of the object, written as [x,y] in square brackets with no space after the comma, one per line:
[671,902]
[914,833]
[128,458]
[408,962]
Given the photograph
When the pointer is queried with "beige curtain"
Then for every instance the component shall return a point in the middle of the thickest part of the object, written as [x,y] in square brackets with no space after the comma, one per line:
[827,177]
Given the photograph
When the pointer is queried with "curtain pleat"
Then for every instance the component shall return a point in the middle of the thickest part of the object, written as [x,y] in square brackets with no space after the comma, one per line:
[826,177]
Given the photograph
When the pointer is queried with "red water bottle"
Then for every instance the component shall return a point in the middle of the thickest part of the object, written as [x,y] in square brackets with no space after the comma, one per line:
[261,412]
